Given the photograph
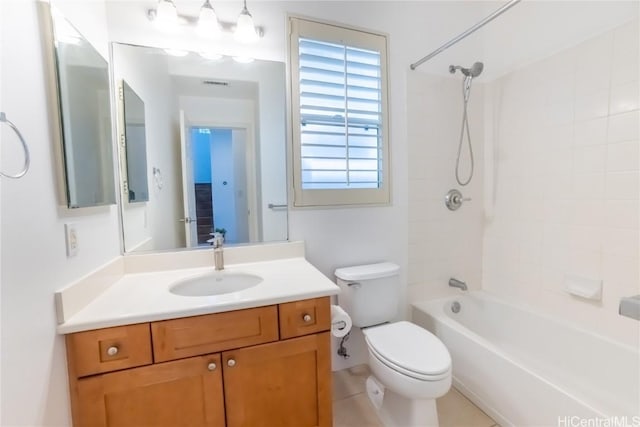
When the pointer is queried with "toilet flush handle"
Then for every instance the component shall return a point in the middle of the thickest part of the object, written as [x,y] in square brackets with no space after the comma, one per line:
[355,285]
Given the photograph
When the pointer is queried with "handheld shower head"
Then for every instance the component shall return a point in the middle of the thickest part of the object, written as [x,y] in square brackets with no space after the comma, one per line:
[474,71]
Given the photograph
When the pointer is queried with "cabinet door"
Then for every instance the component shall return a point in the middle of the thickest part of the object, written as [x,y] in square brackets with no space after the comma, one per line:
[186,392]
[286,383]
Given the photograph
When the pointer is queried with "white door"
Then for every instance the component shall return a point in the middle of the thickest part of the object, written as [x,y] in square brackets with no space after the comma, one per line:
[188,187]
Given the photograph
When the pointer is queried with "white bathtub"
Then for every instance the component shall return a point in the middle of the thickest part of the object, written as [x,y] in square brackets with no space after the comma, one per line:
[528,369]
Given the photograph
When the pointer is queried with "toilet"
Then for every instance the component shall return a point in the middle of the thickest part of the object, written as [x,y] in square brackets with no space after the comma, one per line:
[410,366]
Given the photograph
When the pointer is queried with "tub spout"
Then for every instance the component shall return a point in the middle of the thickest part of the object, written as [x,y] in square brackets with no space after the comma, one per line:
[455,283]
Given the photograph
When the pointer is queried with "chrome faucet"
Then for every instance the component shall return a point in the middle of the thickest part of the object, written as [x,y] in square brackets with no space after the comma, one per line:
[218,254]
[455,283]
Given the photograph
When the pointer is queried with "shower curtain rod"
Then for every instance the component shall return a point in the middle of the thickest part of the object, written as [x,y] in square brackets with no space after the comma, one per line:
[471,30]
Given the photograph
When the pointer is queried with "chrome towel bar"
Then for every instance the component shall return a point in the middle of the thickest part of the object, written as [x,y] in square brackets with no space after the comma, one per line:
[272,206]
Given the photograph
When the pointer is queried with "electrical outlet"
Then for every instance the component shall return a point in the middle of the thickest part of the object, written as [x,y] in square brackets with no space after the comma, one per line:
[71,239]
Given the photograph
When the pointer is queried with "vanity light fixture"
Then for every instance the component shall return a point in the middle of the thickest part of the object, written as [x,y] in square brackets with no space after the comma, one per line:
[166,15]
[208,24]
[245,31]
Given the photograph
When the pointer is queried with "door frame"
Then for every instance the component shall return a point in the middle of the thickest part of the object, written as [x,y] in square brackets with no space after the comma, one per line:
[188,194]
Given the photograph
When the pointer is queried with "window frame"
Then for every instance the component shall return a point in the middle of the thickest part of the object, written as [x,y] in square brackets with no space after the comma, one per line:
[353,37]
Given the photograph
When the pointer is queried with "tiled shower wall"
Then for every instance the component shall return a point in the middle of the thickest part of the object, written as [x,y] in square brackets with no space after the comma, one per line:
[442,244]
[565,182]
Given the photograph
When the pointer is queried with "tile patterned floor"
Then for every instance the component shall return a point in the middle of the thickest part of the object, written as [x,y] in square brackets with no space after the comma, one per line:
[351,407]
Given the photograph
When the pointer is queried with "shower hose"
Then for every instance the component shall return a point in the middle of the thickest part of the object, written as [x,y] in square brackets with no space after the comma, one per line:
[466,91]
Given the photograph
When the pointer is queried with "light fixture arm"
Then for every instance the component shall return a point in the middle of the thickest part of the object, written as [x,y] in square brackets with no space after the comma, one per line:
[245,10]
[207,4]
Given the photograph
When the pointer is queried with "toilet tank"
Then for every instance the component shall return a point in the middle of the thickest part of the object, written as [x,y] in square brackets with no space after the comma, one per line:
[369,293]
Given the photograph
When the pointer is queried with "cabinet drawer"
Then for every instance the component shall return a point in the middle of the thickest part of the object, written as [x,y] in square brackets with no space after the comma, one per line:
[305,317]
[110,349]
[192,336]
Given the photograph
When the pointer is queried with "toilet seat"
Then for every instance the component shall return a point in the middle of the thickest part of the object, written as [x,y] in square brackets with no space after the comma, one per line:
[410,350]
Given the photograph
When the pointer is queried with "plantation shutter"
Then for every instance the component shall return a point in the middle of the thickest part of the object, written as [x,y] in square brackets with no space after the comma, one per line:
[339,112]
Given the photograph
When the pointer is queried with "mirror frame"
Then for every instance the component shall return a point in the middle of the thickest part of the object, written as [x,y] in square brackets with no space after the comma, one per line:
[57,126]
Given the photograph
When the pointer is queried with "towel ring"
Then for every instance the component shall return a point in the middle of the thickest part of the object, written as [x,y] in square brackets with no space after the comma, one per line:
[27,160]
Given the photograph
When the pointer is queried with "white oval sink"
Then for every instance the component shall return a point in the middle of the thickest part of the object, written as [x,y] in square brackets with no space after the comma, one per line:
[215,283]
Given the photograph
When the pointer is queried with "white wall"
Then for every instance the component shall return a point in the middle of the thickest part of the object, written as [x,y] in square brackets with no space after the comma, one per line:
[219,111]
[566,182]
[34,263]
[442,243]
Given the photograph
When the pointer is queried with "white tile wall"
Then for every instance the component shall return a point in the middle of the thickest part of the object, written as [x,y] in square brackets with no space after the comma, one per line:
[442,244]
[569,204]
[566,180]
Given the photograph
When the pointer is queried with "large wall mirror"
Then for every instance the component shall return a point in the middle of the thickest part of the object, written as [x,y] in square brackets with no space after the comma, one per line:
[84,112]
[215,149]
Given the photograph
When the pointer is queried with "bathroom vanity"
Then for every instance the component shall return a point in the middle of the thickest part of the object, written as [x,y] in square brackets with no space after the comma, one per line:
[265,366]
[268,364]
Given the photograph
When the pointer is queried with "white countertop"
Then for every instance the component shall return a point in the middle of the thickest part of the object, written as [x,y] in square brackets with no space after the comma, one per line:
[145,297]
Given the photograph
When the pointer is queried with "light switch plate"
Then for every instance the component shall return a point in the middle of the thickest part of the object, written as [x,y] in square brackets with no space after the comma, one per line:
[71,239]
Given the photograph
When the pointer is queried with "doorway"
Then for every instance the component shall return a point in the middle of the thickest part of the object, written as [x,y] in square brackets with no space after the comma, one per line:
[222,157]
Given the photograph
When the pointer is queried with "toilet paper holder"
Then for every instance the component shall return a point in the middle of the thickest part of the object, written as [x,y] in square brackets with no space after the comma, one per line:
[341,324]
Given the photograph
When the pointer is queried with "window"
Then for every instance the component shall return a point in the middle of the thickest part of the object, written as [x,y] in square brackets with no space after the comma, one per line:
[339,115]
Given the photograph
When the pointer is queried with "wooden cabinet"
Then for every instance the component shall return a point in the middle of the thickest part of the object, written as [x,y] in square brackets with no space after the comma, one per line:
[266,366]
[279,384]
[185,392]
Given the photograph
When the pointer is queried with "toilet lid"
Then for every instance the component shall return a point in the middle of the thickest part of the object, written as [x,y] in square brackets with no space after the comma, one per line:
[409,347]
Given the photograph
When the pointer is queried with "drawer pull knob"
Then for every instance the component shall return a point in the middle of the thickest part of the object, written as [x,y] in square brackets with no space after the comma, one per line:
[211,366]
[306,318]
[112,351]
[231,363]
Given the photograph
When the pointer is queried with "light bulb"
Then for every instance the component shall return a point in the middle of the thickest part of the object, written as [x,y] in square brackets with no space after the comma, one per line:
[208,25]
[211,56]
[243,59]
[166,15]
[245,28]
[176,52]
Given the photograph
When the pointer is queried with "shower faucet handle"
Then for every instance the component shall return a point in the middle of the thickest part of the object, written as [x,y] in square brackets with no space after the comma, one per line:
[454,199]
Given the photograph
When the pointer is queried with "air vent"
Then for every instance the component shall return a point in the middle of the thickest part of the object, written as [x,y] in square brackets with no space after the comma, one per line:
[215,83]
